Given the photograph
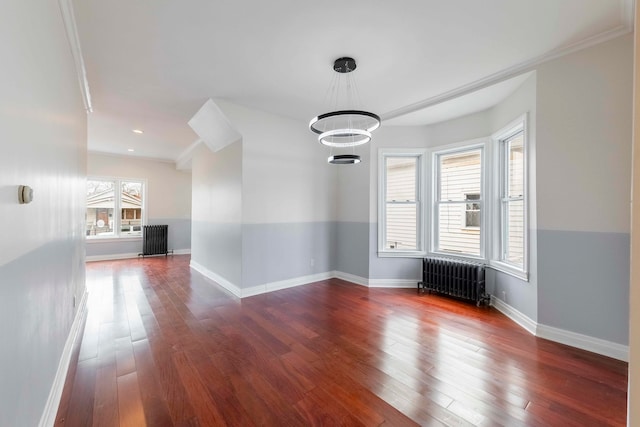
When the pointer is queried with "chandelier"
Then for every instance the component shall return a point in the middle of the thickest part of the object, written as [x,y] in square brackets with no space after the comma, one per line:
[347,127]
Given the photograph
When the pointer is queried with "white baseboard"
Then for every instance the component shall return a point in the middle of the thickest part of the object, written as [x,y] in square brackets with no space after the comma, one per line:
[285,284]
[595,345]
[562,336]
[110,257]
[235,290]
[358,280]
[521,319]
[113,257]
[48,417]
[394,283]
[584,342]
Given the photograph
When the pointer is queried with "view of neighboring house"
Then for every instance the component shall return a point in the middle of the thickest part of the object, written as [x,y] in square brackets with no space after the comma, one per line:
[460,200]
[101,205]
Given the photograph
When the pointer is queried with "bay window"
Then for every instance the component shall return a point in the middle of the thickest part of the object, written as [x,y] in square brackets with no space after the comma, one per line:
[401,210]
[458,201]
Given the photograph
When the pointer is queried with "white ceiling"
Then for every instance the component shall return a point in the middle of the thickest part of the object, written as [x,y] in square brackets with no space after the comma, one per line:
[151,64]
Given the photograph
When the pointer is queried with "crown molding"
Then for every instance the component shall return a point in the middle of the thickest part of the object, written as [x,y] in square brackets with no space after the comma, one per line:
[184,159]
[523,67]
[68,17]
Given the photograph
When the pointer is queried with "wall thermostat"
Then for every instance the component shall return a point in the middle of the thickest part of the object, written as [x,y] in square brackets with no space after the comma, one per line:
[25,194]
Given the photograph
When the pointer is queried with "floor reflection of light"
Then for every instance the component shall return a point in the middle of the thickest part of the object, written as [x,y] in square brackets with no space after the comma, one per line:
[401,349]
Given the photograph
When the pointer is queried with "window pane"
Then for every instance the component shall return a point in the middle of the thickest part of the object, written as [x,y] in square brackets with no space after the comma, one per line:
[515,167]
[453,236]
[514,250]
[131,208]
[100,208]
[401,226]
[460,174]
[472,211]
[401,178]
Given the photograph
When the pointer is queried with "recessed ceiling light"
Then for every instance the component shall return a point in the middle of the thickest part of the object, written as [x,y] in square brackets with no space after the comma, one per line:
[138,131]
[131,150]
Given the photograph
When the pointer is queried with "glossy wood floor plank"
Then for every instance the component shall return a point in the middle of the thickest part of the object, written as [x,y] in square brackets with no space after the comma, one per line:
[164,346]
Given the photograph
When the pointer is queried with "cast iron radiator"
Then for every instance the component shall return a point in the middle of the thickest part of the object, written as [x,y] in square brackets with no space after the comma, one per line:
[155,240]
[459,279]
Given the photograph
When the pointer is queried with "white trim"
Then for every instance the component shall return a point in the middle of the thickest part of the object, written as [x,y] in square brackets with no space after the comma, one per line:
[48,417]
[130,255]
[358,280]
[117,207]
[401,254]
[110,257]
[111,239]
[517,69]
[235,290]
[507,269]
[584,342]
[562,336]
[482,145]
[521,319]
[421,195]
[519,124]
[394,283]
[69,20]
[285,284]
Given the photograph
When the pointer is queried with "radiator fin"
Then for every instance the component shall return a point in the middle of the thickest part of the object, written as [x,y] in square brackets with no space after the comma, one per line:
[460,279]
[155,240]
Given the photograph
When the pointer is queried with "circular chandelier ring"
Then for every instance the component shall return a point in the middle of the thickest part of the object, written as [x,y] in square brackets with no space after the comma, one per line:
[352,137]
[344,159]
[319,119]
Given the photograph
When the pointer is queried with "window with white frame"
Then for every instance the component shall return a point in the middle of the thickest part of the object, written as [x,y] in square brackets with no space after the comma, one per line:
[472,211]
[401,210]
[458,202]
[512,235]
[115,207]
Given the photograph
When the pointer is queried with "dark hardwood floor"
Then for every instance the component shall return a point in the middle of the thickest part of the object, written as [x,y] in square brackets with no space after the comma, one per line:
[163,346]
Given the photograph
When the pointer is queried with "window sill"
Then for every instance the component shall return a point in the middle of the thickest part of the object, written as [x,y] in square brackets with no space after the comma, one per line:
[461,257]
[401,254]
[508,269]
[108,239]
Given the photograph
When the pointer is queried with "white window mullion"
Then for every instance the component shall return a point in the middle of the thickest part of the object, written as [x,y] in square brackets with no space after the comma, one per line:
[400,212]
[511,228]
[459,182]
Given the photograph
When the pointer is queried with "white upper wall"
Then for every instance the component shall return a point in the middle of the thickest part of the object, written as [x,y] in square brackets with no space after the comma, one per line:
[466,128]
[43,129]
[40,128]
[584,139]
[286,178]
[390,137]
[168,189]
[216,230]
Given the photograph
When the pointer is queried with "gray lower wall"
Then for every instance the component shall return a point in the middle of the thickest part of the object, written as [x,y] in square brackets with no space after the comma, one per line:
[275,252]
[179,239]
[583,283]
[218,248]
[582,280]
[517,293]
[352,248]
[391,268]
[37,291]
